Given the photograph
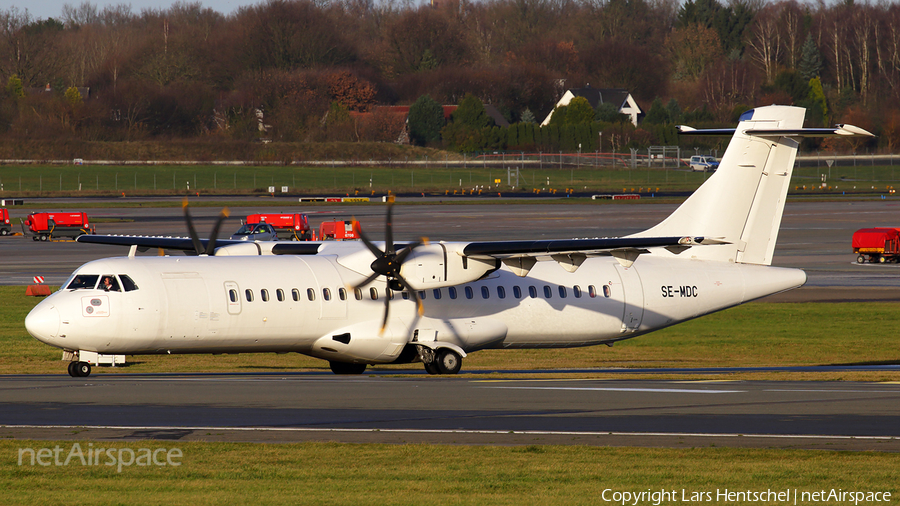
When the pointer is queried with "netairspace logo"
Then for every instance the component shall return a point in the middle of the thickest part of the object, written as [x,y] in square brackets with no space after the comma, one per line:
[110,457]
[783,496]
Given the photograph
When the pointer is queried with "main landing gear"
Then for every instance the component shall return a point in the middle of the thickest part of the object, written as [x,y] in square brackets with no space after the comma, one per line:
[441,361]
[79,369]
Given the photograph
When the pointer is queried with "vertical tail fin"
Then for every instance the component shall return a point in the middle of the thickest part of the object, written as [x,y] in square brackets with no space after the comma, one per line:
[742,203]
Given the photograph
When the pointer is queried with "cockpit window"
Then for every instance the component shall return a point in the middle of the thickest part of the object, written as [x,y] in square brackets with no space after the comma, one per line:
[127,283]
[109,283]
[83,281]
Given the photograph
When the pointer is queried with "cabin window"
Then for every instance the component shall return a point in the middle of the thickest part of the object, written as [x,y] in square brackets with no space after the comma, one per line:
[357,292]
[342,293]
[469,292]
[127,283]
[517,292]
[452,292]
[264,295]
[326,293]
[532,292]
[562,292]
[501,292]
[373,293]
[485,292]
[232,295]
[607,291]
[310,294]
[437,293]
[592,292]
[405,295]
[422,295]
[249,294]
[83,281]
[295,294]
[577,291]
[279,294]
[548,293]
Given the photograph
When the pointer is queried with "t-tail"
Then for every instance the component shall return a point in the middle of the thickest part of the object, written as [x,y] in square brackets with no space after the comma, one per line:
[739,208]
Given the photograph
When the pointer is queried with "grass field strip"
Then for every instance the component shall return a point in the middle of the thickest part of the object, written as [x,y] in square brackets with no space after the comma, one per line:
[457,431]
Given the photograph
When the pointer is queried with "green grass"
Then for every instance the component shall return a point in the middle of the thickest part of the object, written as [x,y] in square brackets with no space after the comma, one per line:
[48,180]
[755,334]
[327,473]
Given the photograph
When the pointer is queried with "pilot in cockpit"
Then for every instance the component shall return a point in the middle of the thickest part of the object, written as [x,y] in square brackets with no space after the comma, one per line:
[109,284]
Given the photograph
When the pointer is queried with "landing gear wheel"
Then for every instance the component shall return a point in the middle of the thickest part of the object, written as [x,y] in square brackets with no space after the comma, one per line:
[72,372]
[81,369]
[347,368]
[432,368]
[860,259]
[448,361]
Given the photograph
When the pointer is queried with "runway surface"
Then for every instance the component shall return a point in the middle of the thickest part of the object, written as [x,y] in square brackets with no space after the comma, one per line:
[387,408]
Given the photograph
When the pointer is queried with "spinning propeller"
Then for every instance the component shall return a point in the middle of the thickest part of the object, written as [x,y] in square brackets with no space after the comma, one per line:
[388,264]
[198,245]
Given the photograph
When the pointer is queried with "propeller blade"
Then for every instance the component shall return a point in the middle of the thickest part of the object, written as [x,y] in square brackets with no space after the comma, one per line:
[366,281]
[211,245]
[387,307]
[389,231]
[420,309]
[402,254]
[198,246]
[374,249]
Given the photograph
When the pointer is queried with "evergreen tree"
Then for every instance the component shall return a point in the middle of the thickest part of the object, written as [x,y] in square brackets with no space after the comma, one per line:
[579,111]
[674,111]
[471,113]
[609,113]
[658,114]
[559,115]
[512,136]
[528,116]
[426,118]
[810,60]
[816,104]
[14,87]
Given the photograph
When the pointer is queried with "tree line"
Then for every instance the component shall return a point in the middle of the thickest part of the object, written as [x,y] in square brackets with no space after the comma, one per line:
[313,70]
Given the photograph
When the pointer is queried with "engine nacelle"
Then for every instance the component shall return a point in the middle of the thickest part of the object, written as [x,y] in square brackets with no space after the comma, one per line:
[443,264]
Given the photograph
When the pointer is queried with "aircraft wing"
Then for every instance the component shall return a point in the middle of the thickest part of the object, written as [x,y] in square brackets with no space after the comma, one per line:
[145,242]
[590,247]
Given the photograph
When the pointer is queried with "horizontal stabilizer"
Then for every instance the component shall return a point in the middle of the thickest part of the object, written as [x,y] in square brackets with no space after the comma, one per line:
[836,131]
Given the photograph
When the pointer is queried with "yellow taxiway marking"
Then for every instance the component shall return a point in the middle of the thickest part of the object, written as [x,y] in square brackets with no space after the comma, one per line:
[541,380]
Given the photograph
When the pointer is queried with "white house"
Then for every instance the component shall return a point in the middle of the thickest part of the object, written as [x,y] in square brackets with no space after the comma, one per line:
[596,96]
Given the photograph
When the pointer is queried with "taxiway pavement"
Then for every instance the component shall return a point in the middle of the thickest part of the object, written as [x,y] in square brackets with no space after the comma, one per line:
[282,407]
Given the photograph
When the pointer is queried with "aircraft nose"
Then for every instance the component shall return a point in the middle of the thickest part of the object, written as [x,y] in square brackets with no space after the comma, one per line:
[43,323]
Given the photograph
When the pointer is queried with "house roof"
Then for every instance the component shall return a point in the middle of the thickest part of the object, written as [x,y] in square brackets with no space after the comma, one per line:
[597,96]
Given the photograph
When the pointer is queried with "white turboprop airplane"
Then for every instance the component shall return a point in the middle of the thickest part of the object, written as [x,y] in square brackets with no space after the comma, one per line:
[437,302]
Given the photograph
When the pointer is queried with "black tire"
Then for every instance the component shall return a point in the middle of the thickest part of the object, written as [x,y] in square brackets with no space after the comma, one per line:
[881,260]
[43,237]
[82,369]
[432,368]
[860,259]
[347,368]
[4,231]
[448,361]
[72,372]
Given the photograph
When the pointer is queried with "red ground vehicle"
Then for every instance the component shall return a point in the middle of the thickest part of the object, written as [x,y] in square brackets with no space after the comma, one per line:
[877,245]
[338,230]
[5,227]
[43,226]
[294,227]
